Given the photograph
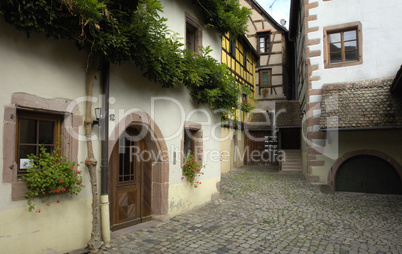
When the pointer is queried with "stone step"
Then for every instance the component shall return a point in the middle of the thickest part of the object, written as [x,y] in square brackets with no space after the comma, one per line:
[293,162]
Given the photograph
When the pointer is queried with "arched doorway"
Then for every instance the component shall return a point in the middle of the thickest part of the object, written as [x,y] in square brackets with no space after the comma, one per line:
[138,171]
[131,180]
[368,172]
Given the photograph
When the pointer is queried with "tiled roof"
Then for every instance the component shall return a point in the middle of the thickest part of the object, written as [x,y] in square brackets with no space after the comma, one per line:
[363,104]
[260,121]
[287,112]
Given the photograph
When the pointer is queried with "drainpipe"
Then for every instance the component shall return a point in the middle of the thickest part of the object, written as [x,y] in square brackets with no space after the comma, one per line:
[104,198]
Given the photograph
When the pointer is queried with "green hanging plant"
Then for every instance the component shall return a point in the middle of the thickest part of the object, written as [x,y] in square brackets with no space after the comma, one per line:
[51,174]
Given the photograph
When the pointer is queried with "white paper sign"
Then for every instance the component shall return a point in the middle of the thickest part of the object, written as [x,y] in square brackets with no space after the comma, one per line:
[25,163]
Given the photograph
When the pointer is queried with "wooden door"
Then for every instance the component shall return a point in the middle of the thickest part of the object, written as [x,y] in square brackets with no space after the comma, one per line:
[290,138]
[368,174]
[255,147]
[131,183]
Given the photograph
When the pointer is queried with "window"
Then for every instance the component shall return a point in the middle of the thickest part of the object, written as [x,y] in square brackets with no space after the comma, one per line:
[265,78]
[191,41]
[20,130]
[342,45]
[263,43]
[189,141]
[35,130]
[193,34]
[192,141]
[245,59]
[232,42]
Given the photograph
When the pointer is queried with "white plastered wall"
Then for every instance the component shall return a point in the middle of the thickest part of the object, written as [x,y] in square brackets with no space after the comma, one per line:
[56,69]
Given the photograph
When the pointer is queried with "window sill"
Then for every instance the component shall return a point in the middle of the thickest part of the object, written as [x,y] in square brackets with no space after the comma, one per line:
[343,64]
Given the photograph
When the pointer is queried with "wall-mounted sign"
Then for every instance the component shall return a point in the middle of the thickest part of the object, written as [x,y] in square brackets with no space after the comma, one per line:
[25,163]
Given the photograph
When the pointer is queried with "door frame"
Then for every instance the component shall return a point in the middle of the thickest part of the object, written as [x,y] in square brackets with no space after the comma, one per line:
[338,163]
[157,146]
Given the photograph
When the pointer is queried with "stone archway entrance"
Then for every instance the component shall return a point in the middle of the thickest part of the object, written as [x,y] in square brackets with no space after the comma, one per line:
[138,171]
[366,171]
[131,181]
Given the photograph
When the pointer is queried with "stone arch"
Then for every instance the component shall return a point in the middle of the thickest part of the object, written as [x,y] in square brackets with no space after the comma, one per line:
[335,167]
[157,146]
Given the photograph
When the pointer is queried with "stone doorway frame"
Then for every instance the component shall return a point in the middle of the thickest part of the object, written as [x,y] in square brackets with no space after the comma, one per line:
[335,167]
[156,145]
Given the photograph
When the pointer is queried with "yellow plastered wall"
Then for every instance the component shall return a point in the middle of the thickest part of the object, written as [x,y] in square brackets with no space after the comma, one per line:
[52,227]
[244,75]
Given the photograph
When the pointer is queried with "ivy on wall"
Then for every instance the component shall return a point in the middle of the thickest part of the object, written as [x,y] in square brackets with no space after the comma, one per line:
[125,30]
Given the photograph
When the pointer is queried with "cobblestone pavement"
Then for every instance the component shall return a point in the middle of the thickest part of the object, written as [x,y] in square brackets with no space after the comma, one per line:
[265,211]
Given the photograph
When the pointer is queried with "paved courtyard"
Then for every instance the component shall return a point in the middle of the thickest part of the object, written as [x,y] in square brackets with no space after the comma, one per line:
[265,211]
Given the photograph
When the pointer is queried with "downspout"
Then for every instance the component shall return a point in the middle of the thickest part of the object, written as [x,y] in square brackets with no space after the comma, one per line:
[104,197]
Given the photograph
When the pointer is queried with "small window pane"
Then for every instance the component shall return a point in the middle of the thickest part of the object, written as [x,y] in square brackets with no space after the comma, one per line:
[27,150]
[335,47]
[28,131]
[265,79]
[46,132]
[335,37]
[262,40]
[127,161]
[351,45]
[335,57]
[349,35]
[351,56]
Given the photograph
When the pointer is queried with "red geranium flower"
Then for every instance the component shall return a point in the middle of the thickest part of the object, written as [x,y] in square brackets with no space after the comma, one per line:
[57,191]
[86,161]
[77,171]
[61,181]
[72,167]
[182,178]
[63,190]
[79,182]
[188,179]
[57,201]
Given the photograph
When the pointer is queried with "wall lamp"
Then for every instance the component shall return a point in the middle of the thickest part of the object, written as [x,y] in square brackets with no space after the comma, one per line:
[100,114]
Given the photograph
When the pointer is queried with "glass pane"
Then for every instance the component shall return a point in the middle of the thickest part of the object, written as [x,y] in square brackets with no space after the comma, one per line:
[46,134]
[349,35]
[351,45]
[351,56]
[121,165]
[262,40]
[265,79]
[27,131]
[336,37]
[49,149]
[26,150]
[127,161]
[190,37]
[335,58]
[335,47]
